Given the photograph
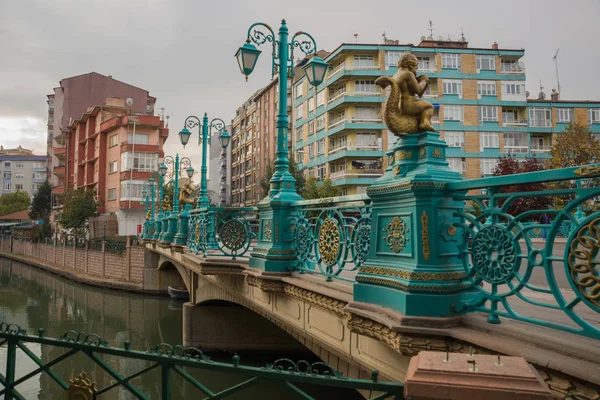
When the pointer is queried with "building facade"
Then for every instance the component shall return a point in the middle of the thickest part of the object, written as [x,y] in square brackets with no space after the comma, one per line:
[112,152]
[73,97]
[217,156]
[21,170]
[481,110]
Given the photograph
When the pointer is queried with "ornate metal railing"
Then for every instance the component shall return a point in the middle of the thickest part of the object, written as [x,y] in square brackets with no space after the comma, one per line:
[517,276]
[223,231]
[332,235]
[171,361]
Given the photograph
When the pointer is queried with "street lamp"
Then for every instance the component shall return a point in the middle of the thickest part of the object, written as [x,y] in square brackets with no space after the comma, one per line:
[275,209]
[204,136]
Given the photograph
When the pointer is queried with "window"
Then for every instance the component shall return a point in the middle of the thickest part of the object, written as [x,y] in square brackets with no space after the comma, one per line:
[6,186]
[311,150]
[19,164]
[311,104]
[311,127]
[392,58]
[39,165]
[19,176]
[39,176]
[320,146]
[485,62]
[365,87]
[488,165]
[364,62]
[320,98]
[112,167]
[18,186]
[450,60]
[453,112]
[139,138]
[132,190]
[486,88]
[516,142]
[488,113]
[300,90]
[366,139]
[513,90]
[489,140]
[320,122]
[113,140]
[321,171]
[451,86]
[510,117]
[564,115]
[7,164]
[540,117]
[299,156]
[300,111]
[112,194]
[593,115]
[365,113]
[139,161]
[455,139]
[425,64]
[299,133]
[511,66]
[457,165]
[337,143]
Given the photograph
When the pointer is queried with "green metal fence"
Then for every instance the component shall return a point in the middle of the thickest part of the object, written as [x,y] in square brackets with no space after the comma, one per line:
[170,360]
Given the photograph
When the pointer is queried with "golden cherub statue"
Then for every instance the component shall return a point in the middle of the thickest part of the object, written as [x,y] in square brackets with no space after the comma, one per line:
[404,113]
[185,194]
[166,203]
[148,215]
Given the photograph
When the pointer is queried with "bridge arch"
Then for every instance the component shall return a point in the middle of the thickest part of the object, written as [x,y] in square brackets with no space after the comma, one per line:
[172,274]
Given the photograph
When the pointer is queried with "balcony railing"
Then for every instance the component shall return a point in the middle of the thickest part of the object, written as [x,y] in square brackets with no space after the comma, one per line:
[343,67]
[514,122]
[540,123]
[516,149]
[541,150]
[512,68]
[340,95]
[354,147]
[356,173]
[336,121]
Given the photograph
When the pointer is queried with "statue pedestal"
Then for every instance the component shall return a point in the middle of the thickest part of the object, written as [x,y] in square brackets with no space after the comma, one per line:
[413,267]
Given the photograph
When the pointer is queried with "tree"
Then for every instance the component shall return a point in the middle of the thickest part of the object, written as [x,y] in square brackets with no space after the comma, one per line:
[13,202]
[270,169]
[41,205]
[78,206]
[510,165]
[314,189]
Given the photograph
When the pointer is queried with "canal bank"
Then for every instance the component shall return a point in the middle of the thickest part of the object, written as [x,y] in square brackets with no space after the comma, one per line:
[121,269]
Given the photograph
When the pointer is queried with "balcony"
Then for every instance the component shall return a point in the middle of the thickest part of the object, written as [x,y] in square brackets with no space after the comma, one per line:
[516,149]
[356,173]
[540,150]
[340,95]
[60,152]
[540,123]
[353,147]
[513,122]
[342,68]
[512,68]
[59,171]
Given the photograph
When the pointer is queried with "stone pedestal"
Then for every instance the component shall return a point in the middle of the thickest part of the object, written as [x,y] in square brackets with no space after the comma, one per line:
[434,375]
[412,266]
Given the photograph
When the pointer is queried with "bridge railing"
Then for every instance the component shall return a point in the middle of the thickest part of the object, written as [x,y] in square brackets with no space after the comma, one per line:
[223,231]
[553,283]
[332,235]
[296,378]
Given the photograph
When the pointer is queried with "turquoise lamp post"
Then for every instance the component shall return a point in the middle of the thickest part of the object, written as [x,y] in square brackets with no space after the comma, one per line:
[180,238]
[204,137]
[145,202]
[172,171]
[162,170]
[275,252]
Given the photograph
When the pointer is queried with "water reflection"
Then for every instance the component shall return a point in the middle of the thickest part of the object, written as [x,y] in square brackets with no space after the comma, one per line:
[35,299]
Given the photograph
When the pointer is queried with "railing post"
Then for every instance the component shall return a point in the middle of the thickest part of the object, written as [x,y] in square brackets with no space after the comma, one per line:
[166,381]
[103,259]
[412,266]
[11,360]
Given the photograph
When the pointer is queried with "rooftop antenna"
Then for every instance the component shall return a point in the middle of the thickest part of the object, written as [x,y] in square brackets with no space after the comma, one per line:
[462,35]
[384,36]
[555,58]
[541,95]
[356,37]
[162,113]
[430,30]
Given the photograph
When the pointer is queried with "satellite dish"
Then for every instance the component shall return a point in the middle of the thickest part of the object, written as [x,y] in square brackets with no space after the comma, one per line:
[521,66]
[129,101]
[440,38]
[423,38]
[527,93]
[542,96]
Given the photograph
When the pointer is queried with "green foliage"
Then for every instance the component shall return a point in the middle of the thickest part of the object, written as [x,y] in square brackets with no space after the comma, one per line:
[314,189]
[510,165]
[41,205]
[13,202]
[78,206]
[270,169]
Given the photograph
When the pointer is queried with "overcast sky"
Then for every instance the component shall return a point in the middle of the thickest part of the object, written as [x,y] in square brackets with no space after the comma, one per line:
[182,51]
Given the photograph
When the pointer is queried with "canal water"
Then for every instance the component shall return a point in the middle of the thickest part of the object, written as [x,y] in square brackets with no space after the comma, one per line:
[33,299]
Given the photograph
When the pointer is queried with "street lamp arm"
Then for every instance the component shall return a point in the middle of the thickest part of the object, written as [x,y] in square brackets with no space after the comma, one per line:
[192,121]
[169,162]
[308,47]
[218,124]
[184,162]
[259,37]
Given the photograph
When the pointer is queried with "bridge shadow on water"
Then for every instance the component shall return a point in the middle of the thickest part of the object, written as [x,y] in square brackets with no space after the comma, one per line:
[36,299]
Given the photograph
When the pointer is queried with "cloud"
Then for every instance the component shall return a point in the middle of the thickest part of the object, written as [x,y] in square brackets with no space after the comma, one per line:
[29,133]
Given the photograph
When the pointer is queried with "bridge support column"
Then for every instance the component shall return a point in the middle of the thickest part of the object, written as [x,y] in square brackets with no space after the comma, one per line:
[412,267]
[228,326]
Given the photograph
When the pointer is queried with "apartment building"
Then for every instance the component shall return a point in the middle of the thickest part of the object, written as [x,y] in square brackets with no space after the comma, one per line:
[113,152]
[215,164]
[481,110]
[21,170]
[71,99]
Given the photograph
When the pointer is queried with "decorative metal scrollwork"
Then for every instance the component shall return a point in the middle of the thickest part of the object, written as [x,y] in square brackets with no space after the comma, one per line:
[233,234]
[396,230]
[494,254]
[329,241]
[362,240]
[583,263]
